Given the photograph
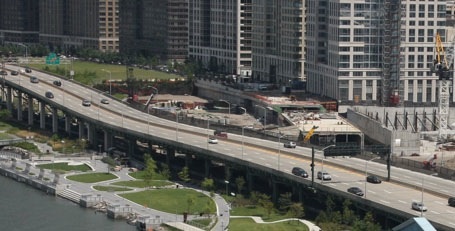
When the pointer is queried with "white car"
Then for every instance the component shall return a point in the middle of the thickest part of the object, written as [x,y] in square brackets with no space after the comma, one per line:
[213,140]
[324,175]
[86,103]
[419,206]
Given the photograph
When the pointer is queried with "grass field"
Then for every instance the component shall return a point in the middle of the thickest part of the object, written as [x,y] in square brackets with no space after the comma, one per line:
[65,167]
[92,177]
[173,200]
[240,224]
[117,72]
[111,188]
[142,184]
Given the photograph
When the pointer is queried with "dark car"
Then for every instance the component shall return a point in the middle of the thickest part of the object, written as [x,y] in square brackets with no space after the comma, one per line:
[373,179]
[49,94]
[299,172]
[28,70]
[452,201]
[14,72]
[2,72]
[57,83]
[356,190]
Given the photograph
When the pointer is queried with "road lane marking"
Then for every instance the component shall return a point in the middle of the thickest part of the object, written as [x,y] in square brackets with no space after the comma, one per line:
[450,212]
[435,212]
[387,191]
[452,223]
[369,191]
[385,202]
[439,202]
[403,202]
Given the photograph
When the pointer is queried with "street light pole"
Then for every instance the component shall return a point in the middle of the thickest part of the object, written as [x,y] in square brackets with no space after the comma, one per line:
[177,125]
[265,115]
[322,160]
[227,184]
[229,105]
[279,149]
[366,173]
[148,120]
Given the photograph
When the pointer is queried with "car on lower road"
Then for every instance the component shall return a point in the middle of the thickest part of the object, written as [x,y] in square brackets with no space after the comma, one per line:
[28,70]
[373,179]
[14,72]
[356,191]
[212,140]
[451,201]
[2,72]
[323,175]
[104,101]
[86,103]
[49,94]
[299,172]
[57,83]
[34,79]
[419,206]
[290,144]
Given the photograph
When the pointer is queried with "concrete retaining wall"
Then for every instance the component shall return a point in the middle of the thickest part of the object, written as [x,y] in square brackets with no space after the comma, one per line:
[401,142]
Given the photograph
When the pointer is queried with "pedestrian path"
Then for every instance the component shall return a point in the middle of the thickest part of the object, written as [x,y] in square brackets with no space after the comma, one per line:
[75,189]
[311,226]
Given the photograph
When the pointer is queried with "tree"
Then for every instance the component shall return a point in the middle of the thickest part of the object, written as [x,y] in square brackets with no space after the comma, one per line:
[268,205]
[184,175]
[285,201]
[240,182]
[208,184]
[150,169]
[296,210]
[5,114]
[348,215]
[165,171]
[367,224]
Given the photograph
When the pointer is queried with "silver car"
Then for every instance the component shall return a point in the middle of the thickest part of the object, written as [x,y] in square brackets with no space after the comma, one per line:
[324,175]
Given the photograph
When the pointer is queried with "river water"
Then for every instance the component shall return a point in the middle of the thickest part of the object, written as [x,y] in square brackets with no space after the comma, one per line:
[23,208]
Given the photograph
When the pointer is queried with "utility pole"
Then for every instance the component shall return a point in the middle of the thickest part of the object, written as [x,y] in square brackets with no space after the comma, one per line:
[312,167]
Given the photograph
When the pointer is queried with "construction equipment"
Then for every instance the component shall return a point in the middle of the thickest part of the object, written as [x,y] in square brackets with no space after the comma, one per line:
[309,134]
[430,162]
[443,67]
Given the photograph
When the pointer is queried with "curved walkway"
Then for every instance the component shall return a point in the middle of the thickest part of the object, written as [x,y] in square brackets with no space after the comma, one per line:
[175,220]
[311,226]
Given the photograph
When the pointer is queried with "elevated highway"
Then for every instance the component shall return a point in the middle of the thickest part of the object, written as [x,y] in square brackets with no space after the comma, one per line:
[259,159]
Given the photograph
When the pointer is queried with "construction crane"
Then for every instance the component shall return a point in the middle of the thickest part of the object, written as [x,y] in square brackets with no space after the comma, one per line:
[443,67]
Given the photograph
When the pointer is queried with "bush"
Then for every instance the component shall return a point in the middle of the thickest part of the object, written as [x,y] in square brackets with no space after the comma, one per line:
[108,160]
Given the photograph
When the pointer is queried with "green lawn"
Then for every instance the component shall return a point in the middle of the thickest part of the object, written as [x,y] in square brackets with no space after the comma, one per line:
[92,177]
[142,184]
[240,224]
[257,211]
[65,167]
[172,200]
[140,175]
[111,188]
[118,72]
[5,136]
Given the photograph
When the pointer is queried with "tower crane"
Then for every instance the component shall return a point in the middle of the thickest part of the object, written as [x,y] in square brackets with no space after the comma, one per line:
[443,67]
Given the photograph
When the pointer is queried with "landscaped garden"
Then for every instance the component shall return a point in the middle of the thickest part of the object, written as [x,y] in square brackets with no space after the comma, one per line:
[92,177]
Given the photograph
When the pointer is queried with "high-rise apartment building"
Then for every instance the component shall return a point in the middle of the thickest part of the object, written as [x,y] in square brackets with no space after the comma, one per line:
[220,35]
[374,51]
[19,21]
[278,40]
[70,24]
[154,28]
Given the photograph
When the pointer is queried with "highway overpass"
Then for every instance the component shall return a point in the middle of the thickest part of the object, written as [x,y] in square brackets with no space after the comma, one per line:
[260,160]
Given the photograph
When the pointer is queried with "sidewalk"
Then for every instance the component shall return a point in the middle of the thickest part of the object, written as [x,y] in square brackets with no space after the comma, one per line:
[311,226]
